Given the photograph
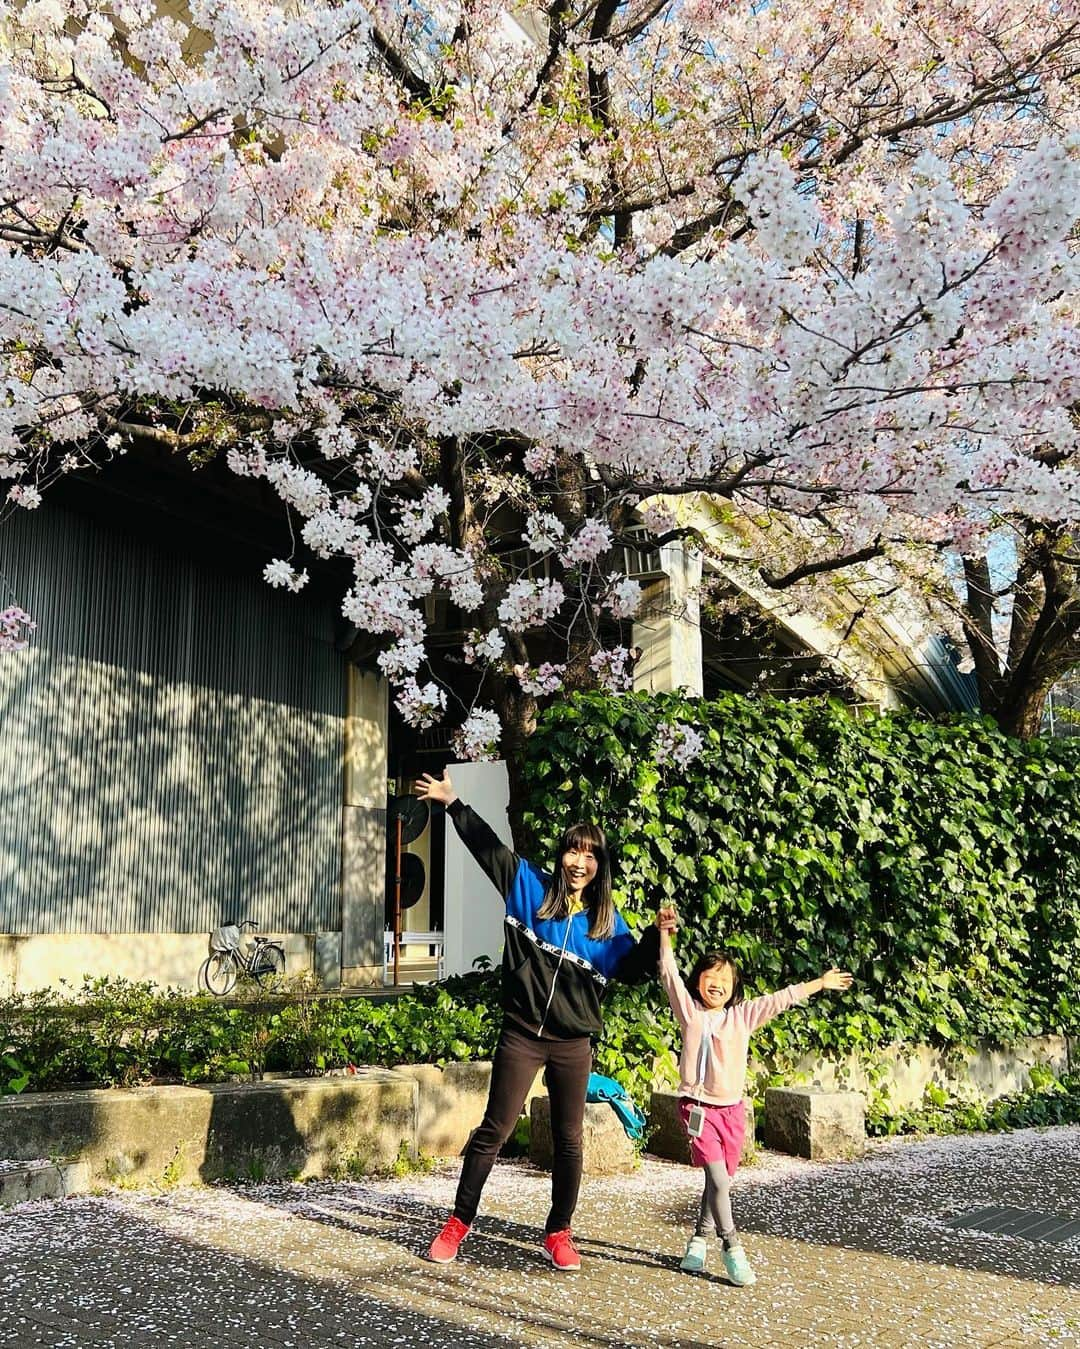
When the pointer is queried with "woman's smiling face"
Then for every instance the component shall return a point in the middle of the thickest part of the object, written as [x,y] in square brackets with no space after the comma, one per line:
[579,867]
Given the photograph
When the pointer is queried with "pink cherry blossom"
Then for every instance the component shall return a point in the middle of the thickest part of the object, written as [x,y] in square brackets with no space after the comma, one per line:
[465,295]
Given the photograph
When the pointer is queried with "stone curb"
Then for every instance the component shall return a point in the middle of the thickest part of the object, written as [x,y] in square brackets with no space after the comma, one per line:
[42,1180]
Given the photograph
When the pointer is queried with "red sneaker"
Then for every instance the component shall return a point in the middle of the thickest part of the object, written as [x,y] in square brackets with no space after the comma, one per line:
[560,1250]
[445,1246]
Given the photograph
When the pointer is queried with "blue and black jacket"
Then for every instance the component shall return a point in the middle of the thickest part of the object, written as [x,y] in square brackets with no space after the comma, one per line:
[554,973]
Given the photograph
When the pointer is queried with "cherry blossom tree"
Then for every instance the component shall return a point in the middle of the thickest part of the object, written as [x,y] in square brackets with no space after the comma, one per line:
[1009,602]
[1022,626]
[472,286]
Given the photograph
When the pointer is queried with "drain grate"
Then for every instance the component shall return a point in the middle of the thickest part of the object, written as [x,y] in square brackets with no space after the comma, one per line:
[1018,1222]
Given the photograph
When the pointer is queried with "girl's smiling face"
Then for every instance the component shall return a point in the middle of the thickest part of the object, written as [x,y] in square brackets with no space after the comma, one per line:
[579,868]
[715,986]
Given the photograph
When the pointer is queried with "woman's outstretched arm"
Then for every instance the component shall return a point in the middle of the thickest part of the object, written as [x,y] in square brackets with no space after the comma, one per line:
[500,864]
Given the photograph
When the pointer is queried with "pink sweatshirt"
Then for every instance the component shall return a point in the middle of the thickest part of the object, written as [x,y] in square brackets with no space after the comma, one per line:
[721,1079]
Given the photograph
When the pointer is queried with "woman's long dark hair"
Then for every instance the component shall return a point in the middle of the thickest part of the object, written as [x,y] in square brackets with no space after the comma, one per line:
[597,894]
[708,960]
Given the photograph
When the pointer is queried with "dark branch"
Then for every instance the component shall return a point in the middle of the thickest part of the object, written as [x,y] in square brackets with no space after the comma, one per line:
[418,88]
[797,574]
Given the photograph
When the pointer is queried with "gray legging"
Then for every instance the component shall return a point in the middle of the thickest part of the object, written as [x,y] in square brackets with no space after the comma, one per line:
[715,1215]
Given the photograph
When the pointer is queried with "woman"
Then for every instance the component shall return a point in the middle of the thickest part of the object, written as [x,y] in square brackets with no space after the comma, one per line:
[564,942]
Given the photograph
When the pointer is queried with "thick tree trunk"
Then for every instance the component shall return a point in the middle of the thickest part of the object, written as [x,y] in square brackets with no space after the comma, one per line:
[1043,626]
[1021,713]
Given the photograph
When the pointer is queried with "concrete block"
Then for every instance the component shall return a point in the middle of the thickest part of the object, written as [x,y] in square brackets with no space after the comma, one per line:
[171,1135]
[822,1125]
[606,1150]
[667,1138]
[451,1103]
[22,1182]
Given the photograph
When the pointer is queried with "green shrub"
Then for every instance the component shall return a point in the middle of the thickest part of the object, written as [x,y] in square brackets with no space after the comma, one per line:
[114,1033]
[1056,1101]
[940,862]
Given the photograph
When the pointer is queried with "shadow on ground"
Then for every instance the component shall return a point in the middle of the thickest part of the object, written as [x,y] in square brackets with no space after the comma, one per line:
[898,1202]
[180,1290]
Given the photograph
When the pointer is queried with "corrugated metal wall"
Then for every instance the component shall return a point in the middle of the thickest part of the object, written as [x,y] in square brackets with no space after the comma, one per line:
[173,740]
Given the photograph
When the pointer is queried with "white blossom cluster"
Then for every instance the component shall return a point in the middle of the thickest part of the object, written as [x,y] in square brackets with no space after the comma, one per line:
[282,575]
[478,737]
[545,679]
[341,291]
[677,743]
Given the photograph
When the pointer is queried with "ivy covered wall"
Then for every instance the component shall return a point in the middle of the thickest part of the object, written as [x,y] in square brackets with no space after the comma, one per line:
[940,862]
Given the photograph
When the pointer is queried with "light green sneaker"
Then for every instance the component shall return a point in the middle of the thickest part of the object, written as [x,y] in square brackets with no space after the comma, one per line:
[738,1267]
[697,1250]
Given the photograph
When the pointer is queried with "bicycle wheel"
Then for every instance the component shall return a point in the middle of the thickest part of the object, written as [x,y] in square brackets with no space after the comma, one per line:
[217,974]
[269,964]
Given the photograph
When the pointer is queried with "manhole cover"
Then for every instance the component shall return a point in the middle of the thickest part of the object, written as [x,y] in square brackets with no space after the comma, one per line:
[1018,1222]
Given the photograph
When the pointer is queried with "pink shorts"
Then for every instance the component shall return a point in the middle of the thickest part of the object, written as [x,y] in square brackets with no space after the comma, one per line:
[722,1138]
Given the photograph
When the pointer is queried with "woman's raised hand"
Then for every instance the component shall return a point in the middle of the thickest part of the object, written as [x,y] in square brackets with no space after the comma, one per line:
[835,980]
[436,789]
[667,918]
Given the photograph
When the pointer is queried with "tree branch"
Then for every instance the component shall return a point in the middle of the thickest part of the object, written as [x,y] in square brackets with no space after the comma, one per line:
[797,574]
[416,87]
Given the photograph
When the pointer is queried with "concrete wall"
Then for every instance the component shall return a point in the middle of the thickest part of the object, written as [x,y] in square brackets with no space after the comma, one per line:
[473,911]
[349,1125]
[168,1135]
[171,959]
[297,1127]
[985,1073]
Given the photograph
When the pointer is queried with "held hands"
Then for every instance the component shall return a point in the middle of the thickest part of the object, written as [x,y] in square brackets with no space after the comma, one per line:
[667,920]
[436,789]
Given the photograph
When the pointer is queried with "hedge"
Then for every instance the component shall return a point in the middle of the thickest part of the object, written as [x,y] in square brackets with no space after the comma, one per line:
[939,861]
[113,1032]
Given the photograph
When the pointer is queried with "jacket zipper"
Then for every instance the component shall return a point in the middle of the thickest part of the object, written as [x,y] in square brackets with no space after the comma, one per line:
[558,967]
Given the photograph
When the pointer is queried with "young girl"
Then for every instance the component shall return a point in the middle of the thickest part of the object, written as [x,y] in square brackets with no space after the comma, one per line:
[716,1027]
[564,942]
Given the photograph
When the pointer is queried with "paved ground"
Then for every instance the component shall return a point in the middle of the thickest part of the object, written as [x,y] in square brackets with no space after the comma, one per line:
[851,1254]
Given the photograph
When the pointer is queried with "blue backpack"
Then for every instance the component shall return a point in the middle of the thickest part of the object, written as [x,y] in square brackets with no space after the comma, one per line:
[607,1089]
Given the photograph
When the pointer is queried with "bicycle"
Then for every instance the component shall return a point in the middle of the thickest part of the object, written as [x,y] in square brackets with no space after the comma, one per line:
[263,961]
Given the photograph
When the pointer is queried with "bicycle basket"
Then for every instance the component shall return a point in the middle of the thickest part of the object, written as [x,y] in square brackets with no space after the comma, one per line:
[225,939]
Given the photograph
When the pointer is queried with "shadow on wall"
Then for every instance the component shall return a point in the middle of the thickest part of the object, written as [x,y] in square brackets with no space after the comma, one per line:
[305,1128]
[181,731]
[252,1135]
[166,1136]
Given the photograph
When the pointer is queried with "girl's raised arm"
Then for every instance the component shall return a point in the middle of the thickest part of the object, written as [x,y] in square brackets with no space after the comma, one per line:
[678,995]
[756,1012]
[759,1010]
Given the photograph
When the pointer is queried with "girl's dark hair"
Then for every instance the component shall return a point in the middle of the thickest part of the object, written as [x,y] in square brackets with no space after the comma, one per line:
[708,960]
[597,895]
